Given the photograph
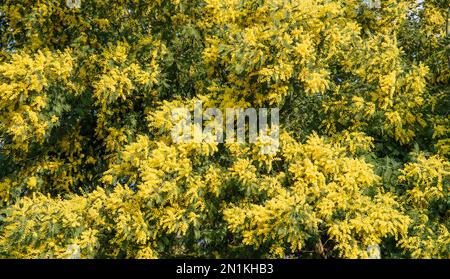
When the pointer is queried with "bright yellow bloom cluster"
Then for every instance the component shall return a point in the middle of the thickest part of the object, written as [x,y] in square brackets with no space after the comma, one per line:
[89,167]
[24,85]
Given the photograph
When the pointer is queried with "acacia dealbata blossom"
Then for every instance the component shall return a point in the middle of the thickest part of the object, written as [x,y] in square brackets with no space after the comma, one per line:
[88,166]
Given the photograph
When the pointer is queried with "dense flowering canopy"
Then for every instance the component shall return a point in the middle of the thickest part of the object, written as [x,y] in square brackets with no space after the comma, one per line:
[88,167]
